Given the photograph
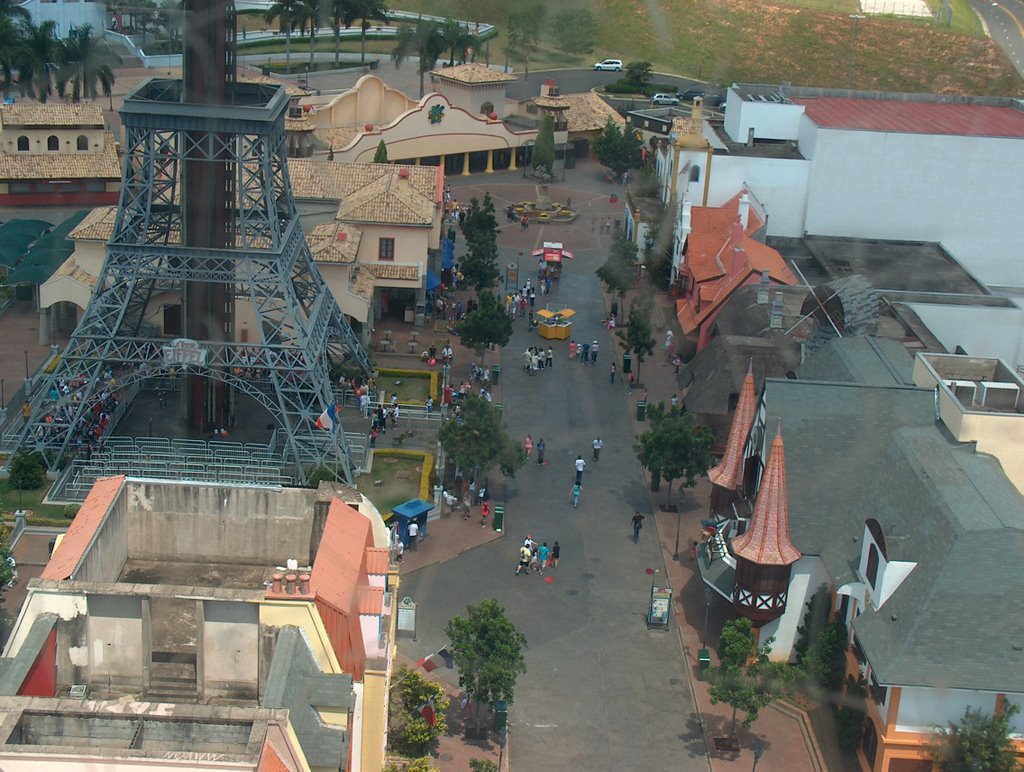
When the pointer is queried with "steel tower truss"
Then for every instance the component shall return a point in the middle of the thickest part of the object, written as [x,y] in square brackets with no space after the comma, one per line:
[300,329]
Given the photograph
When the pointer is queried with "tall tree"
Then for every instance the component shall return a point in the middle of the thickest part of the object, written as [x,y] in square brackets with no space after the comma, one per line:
[144,16]
[616,147]
[37,59]
[10,41]
[336,12]
[480,440]
[524,29]
[636,338]
[424,41]
[311,13]
[366,12]
[544,148]
[745,679]
[638,74]
[979,741]
[618,272]
[480,264]
[87,63]
[457,39]
[286,13]
[15,11]
[170,16]
[488,651]
[675,447]
[381,156]
[486,326]
[411,733]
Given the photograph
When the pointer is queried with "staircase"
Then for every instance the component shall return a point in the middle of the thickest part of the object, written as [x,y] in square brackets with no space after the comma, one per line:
[172,677]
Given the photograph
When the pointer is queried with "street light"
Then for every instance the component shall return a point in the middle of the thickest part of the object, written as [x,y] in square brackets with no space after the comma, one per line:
[709,595]
[853,48]
[679,520]
[758,751]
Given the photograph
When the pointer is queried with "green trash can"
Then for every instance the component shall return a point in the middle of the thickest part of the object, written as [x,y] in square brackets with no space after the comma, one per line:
[495,374]
[499,517]
[615,308]
[500,715]
[641,410]
[703,661]
[627,363]
[656,481]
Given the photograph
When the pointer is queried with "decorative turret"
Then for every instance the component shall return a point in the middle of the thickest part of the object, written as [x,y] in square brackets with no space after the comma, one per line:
[764,553]
[727,477]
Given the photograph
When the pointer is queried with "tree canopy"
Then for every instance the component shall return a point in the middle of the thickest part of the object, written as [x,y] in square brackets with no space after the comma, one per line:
[367,12]
[617,148]
[979,741]
[480,264]
[86,62]
[424,41]
[488,651]
[638,74]
[479,439]
[618,272]
[525,23]
[636,337]
[487,325]
[412,734]
[544,147]
[381,156]
[676,446]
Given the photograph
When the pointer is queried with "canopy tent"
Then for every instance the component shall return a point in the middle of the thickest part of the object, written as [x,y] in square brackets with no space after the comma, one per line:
[562,313]
[433,281]
[15,236]
[412,510]
[553,252]
[47,254]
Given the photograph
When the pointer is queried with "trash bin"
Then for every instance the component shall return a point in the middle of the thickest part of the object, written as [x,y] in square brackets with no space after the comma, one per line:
[655,480]
[499,517]
[703,660]
[615,308]
[500,715]
[495,374]
[641,409]
[570,161]
[627,363]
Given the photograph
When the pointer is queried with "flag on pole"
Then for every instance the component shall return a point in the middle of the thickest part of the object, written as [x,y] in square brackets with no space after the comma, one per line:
[427,711]
[439,659]
[328,419]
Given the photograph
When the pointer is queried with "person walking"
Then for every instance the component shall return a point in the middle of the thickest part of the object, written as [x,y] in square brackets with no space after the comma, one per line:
[585,357]
[598,444]
[577,489]
[549,358]
[399,551]
[528,446]
[556,552]
[414,534]
[638,523]
[525,553]
[485,510]
[572,349]
[543,554]
[465,505]
[629,383]
[540,452]
[612,374]
[593,353]
[580,465]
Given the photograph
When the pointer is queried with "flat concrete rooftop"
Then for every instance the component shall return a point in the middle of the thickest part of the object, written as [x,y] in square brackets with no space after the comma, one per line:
[230,576]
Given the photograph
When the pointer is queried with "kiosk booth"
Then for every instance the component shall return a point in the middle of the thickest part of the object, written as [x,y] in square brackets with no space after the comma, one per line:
[553,254]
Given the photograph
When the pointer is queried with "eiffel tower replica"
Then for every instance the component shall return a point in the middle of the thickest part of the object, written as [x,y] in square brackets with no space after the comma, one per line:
[206,214]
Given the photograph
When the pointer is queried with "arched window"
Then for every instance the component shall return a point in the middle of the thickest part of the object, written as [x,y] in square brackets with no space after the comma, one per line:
[83,142]
[694,174]
[875,529]
[52,143]
[23,143]
[872,572]
[486,108]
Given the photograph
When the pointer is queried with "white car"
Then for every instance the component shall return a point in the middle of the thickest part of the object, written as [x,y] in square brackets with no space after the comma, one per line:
[664,99]
[609,64]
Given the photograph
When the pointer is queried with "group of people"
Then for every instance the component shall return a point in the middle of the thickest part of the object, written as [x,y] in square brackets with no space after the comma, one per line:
[536,358]
[584,352]
[534,557]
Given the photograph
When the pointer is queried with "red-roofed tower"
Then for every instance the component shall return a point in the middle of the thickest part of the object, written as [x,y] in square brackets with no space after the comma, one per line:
[764,553]
[727,477]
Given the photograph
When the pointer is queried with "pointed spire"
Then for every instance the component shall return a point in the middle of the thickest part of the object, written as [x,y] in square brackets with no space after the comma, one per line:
[766,542]
[729,472]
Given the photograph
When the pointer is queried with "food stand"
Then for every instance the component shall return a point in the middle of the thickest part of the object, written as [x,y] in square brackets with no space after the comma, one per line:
[553,254]
[554,323]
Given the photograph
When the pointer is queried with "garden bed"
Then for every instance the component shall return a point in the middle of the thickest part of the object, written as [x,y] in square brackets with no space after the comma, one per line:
[403,475]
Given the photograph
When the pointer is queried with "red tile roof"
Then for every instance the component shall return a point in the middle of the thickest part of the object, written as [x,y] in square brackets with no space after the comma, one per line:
[377,560]
[270,759]
[710,231]
[65,559]
[371,600]
[729,472]
[338,578]
[968,120]
[766,542]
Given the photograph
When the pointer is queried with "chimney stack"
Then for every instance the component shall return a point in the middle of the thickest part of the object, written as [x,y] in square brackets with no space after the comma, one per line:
[776,315]
[290,586]
[744,208]
[276,586]
[304,584]
[762,288]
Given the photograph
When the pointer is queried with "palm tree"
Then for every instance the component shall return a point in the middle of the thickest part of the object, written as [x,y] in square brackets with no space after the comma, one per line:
[457,38]
[86,62]
[310,11]
[37,58]
[14,12]
[337,10]
[425,41]
[10,40]
[287,13]
[366,11]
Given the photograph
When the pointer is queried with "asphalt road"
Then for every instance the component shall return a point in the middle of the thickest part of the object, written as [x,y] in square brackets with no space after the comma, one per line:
[1005,22]
[575,81]
[601,692]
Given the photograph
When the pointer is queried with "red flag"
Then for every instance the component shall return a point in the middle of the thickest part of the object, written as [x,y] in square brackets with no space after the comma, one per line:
[427,711]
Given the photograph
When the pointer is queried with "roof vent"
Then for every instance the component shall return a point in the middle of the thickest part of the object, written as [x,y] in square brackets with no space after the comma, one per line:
[775,321]
[762,288]
[403,174]
[292,564]
[340,236]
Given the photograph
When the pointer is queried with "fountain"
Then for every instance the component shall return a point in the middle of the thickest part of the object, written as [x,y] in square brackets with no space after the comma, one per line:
[543,209]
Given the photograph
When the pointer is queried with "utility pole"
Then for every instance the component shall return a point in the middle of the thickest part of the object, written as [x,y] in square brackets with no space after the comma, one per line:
[853,49]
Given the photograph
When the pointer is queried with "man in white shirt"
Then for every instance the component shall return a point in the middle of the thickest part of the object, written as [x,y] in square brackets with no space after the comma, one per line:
[598,444]
[580,465]
[414,533]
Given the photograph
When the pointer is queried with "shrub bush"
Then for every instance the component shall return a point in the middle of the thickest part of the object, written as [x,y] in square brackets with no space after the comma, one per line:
[26,471]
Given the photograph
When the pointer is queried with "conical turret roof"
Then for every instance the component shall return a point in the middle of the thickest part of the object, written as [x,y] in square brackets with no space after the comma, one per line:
[729,472]
[766,542]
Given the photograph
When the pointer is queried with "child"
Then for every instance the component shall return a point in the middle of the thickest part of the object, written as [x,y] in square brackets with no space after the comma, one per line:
[556,552]
[485,510]
[576,490]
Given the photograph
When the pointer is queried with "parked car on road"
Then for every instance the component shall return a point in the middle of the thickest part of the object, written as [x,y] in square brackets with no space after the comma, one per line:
[690,94]
[609,64]
[664,99]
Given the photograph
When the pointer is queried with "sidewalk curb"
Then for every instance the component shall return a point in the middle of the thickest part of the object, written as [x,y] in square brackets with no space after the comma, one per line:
[788,709]
[453,556]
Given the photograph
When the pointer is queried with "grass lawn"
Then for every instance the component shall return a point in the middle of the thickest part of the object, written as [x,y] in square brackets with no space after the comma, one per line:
[9,502]
[401,477]
[806,42]
[409,390]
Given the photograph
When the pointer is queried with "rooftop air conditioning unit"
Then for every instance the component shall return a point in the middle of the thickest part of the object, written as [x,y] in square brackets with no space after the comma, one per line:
[963,391]
[999,396]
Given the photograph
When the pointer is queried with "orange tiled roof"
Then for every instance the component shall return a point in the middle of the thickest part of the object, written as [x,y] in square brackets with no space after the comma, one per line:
[588,112]
[65,559]
[766,542]
[376,560]
[371,600]
[710,231]
[98,225]
[270,759]
[53,114]
[472,73]
[334,242]
[729,472]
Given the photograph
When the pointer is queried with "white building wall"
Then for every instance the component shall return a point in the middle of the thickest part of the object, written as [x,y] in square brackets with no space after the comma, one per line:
[70,14]
[808,575]
[982,332]
[964,192]
[922,709]
[769,120]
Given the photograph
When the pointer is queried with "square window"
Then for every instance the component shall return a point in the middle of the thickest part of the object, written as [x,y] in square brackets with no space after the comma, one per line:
[387,249]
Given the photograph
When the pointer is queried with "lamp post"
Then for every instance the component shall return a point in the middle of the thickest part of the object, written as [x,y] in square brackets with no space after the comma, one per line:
[758,752]
[709,595]
[679,520]
[853,48]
